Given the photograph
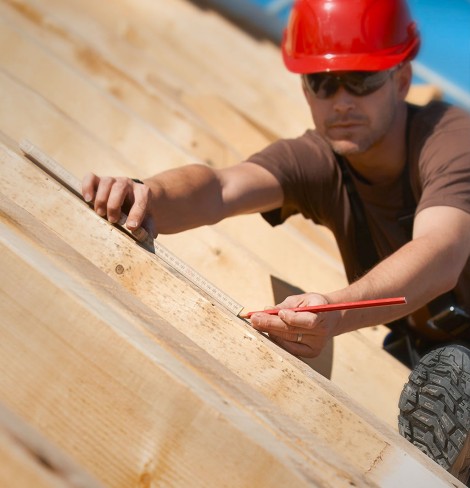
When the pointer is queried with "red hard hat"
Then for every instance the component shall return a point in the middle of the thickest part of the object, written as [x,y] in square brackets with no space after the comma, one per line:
[348,35]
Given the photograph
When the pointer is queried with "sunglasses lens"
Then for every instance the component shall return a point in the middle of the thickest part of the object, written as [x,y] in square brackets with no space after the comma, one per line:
[363,83]
[358,83]
[323,85]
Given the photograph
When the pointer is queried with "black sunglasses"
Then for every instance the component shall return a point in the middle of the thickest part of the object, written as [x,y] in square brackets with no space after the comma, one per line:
[358,83]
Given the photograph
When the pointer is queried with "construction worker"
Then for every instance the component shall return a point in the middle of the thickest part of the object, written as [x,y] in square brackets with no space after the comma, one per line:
[392,182]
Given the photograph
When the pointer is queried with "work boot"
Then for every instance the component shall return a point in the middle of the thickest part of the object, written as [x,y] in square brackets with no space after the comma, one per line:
[435,408]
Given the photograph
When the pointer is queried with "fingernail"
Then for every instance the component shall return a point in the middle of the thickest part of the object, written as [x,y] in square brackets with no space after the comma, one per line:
[132,224]
[87,197]
[112,220]
[282,314]
[101,212]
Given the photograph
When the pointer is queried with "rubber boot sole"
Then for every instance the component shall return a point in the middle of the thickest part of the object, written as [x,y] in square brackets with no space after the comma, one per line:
[435,409]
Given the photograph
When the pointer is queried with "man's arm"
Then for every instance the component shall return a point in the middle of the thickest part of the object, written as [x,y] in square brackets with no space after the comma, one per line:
[421,270]
[429,265]
[186,197]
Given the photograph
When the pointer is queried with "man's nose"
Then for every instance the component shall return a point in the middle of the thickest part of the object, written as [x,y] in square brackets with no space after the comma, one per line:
[343,101]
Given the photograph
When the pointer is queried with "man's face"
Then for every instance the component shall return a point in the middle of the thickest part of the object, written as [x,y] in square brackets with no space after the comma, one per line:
[353,111]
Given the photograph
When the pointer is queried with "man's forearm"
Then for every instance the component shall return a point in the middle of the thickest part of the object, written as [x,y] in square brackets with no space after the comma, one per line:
[418,271]
[197,195]
[184,198]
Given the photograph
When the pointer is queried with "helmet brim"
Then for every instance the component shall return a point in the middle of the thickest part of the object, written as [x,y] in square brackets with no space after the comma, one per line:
[350,62]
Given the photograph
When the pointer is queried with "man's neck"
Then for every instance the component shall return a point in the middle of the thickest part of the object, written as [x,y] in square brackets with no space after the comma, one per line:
[383,162]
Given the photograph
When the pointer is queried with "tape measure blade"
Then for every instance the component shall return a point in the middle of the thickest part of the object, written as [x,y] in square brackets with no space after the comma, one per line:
[51,167]
[197,279]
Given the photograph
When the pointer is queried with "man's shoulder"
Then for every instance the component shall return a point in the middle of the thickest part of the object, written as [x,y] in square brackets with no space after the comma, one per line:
[311,145]
[438,123]
[310,138]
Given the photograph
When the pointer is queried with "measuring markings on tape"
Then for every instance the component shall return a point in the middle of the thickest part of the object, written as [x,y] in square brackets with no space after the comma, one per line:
[197,279]
[60,174]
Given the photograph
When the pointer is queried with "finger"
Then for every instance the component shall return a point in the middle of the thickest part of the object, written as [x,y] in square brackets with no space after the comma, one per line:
[102,195]
[120,190]
[138,210]
[300,349]
[302,320]
[266,322]
[276,324]
[294,348]
[89,185]
[287,336]
[293,301]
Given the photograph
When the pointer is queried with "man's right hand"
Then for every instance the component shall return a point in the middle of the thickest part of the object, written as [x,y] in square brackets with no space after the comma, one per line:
[113,195]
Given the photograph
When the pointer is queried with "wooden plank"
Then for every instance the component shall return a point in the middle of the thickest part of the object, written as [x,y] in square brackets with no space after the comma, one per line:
[133,400]
[28,459]
[50,48]
[23,112]
[131,38]
[291,387]
[157,107]
[228,123]
[423,94]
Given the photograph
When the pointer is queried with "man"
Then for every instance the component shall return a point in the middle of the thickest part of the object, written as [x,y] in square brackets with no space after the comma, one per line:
[392,182]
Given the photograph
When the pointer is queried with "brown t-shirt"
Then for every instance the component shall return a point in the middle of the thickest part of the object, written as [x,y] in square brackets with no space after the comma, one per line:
[439,174]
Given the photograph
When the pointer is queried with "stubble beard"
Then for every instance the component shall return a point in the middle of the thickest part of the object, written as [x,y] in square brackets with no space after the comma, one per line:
[349,147]
[353,143]
[358,142]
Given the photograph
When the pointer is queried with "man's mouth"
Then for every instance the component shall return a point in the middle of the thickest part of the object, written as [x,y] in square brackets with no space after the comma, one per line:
[344,123]
[352,125]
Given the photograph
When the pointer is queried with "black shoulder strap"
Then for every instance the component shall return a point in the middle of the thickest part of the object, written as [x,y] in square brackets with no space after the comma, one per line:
[364,245]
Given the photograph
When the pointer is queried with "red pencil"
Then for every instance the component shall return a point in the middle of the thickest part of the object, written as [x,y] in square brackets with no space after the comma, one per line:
[334,306]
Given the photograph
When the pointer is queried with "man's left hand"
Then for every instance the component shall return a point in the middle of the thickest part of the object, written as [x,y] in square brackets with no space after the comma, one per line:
[303,334]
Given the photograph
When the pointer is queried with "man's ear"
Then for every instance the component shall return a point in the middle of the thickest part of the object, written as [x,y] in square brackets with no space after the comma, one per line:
[403,79]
